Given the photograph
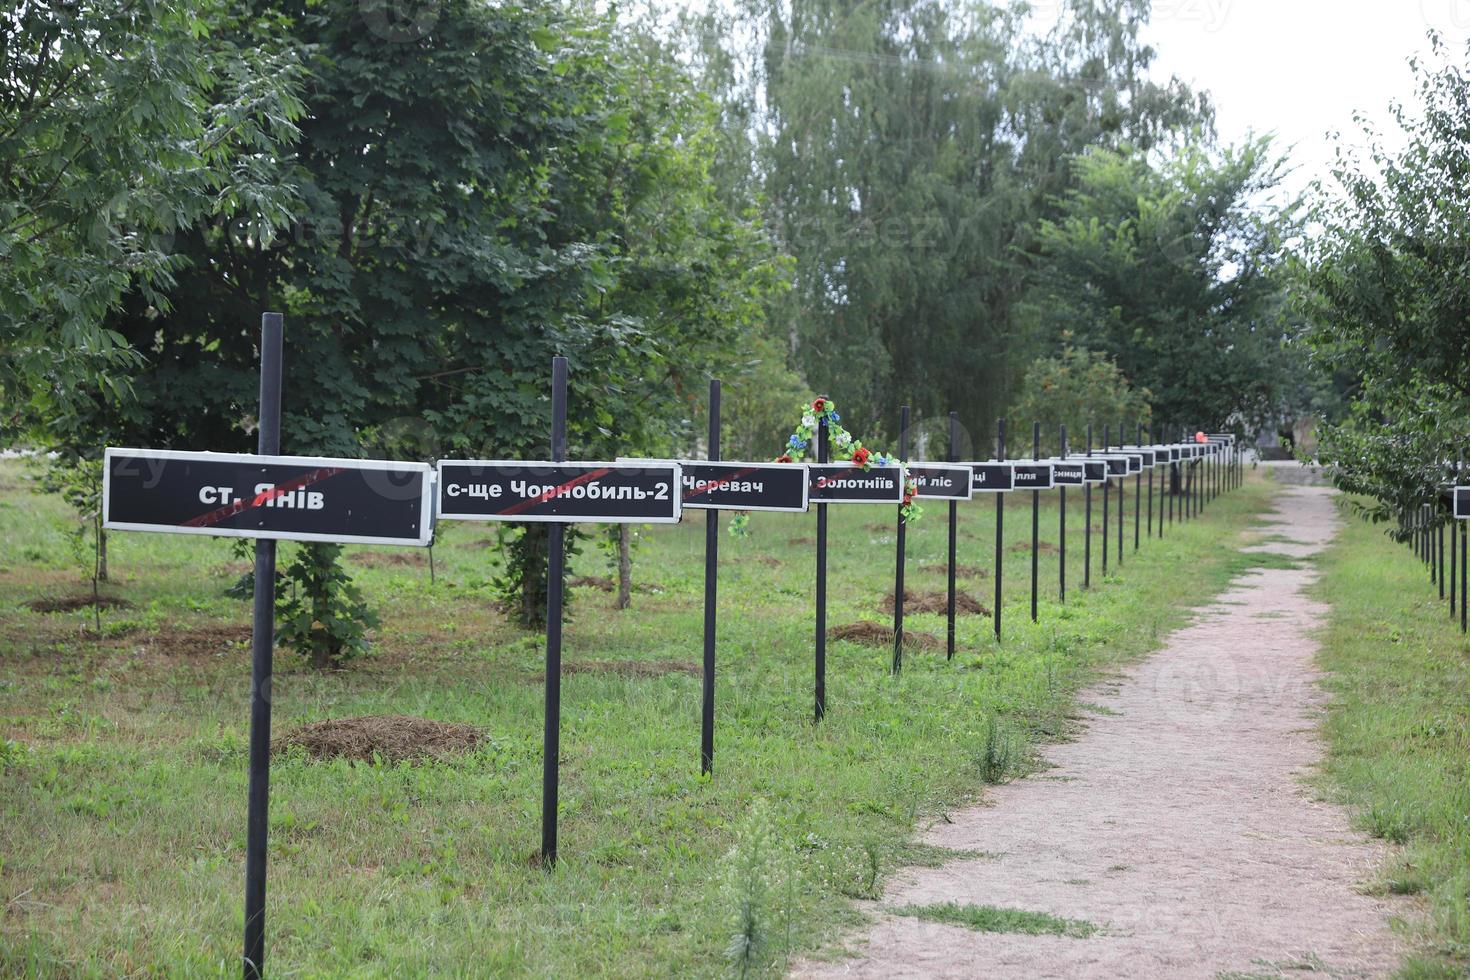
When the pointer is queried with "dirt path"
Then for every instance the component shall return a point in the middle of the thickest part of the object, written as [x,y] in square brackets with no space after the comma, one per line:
[1178,822]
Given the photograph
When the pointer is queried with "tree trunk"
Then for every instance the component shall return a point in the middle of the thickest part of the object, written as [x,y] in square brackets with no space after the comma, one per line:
[101,555]
[625,566]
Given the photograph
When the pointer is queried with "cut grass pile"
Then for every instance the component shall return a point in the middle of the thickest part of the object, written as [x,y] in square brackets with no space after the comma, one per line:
[1399,730]
[123,770]
[390,738]
[936,602]
[993,918]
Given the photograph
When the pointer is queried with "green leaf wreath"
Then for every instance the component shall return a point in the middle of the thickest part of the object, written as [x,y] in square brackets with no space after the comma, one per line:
[843,447]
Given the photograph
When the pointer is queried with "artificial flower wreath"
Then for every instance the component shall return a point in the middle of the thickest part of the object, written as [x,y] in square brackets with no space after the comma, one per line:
[843,448]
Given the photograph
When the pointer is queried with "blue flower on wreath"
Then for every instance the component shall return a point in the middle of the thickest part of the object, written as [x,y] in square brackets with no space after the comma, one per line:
[797,442]
[882,460]
[835,417]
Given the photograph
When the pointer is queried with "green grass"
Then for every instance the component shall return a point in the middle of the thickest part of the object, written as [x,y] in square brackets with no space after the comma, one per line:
[123,799]
[1399,730]
[993,918]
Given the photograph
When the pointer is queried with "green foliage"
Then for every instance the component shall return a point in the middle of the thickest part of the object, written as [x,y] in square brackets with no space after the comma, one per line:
[121,123]
[320,613]
[1174,268]
[755,869]
[522,584]
[1077,388]
[906,152]
[1384,289]
[1398,672]
[993,918]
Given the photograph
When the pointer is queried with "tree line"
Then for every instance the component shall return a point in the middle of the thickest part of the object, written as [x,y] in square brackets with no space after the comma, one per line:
[897,202]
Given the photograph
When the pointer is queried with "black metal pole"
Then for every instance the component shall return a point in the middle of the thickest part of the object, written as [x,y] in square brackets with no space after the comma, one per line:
[1150,483]
[1000,517]
[954,514]
[262,638]
[556,555]
[1087,521]
[711,588]
[1035,518]
[903,457]
[821,637]
[1062,526]
[1107,440]
[1122,501]
[1464,581]
[1138,496]
[1439,554]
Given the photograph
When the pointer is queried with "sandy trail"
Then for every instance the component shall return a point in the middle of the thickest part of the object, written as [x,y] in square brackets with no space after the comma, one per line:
[1178,822]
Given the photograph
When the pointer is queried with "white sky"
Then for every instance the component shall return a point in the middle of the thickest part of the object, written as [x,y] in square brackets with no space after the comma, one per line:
[1301,68]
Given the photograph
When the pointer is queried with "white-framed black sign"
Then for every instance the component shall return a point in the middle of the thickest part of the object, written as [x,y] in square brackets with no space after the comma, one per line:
[1032,474]
[744,486]
[1068,472]
[591,492]
[944,481]
[844,483]
[1117,464]
[1145,454]
[992,477]
[1462,503]
[284,498]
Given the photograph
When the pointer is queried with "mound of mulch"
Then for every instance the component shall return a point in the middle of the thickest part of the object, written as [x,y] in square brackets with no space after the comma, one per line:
[1042,547]
[937,602]
[388,559]
[872,634]
[801,542]
[72,603]
[479,543]
[592,582]
[393,738]
[960,571]
[881,528]
[194,642]
[626,668]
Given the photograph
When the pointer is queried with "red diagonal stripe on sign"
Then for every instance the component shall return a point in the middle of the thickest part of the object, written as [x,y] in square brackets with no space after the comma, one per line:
[557,491]
[721,484]
[265,496]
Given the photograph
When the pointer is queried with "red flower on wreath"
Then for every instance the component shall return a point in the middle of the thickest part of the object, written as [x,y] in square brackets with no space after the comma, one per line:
[819,404]
[783,459]
[860,456]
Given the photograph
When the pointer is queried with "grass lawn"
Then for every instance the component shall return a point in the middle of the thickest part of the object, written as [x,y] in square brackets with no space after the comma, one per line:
[122,795]
[1399,729]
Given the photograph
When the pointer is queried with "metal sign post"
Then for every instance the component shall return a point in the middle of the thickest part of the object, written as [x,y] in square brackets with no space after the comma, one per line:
[903,457]
[711,588]
[262,636]
[820,649]
[1035,517]
[1000,516]
[1062,527]
[1087,522]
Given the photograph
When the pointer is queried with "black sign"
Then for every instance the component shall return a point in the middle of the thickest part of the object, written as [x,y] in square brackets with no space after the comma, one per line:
[1462,503]
[1145,454]
[1032,475]
[992,477]
[946,481]
[290,498]
[744,486]
[1135,460]
[843,483]
[1176,453]
[1117,465]
[600,493]
[1068,472]
[1094,468]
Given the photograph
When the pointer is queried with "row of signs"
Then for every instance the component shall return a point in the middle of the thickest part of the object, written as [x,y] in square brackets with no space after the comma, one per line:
[306,498]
